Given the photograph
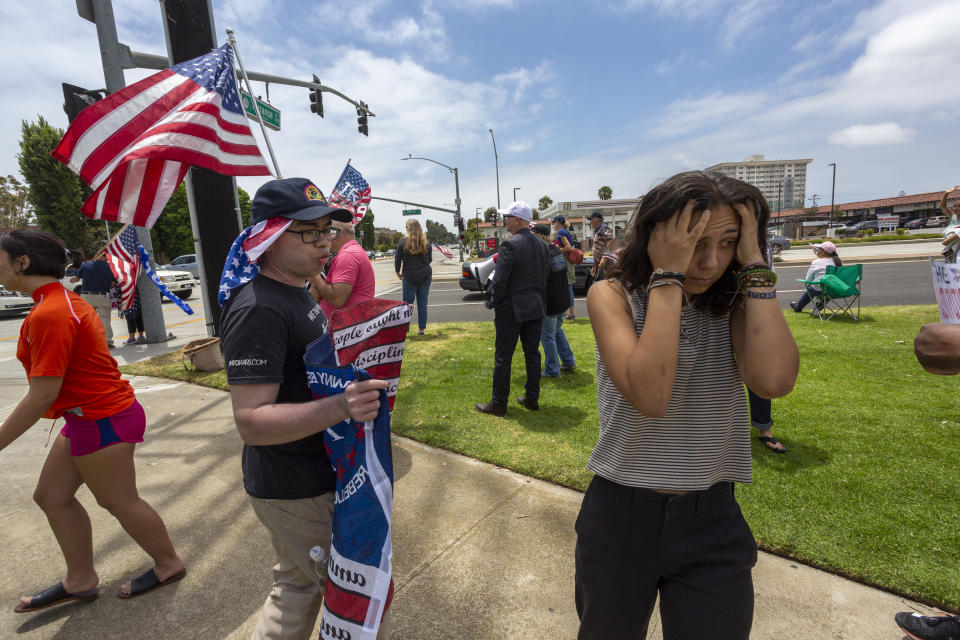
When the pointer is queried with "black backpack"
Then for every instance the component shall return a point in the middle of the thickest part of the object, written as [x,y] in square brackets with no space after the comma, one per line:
[557,296]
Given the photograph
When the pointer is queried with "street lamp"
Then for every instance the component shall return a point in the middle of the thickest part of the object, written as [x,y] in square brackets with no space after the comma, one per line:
[515,189]
[833,188]
[496,162]
[456,182]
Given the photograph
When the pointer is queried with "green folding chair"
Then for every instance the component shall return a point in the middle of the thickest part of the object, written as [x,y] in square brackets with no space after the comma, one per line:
[839,290]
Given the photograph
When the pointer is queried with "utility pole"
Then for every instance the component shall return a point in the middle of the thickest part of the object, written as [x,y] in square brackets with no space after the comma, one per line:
[515,189]
[190,32]
[477,229]
[496,164]
[102,14]
[814,198]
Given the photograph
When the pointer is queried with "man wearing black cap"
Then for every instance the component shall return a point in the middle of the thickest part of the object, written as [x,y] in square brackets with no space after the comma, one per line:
[266,326]
[601,238]
[518,286]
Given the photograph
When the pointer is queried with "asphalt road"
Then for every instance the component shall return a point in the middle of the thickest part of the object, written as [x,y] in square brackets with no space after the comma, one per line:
[884,283]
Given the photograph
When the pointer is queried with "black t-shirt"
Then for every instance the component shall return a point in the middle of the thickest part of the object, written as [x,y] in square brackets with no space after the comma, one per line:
[264,331]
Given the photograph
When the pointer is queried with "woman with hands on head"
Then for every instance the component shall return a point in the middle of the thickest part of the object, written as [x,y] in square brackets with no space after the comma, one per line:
[71,374]
[686,317]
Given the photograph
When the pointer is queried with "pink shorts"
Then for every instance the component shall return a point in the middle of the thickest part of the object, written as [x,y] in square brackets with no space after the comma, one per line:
[87,436]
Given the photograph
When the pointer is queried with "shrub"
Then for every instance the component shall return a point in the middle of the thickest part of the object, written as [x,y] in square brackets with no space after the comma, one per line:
[869,232]
[901,231]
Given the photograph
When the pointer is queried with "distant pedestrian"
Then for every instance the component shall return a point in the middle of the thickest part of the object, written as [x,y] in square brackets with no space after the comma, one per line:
[412,264]
[71,375]
[565,242]
[134,318]
[826,253]
[517,297]
[673,353]
[602,236]
[96,280]
[557,354]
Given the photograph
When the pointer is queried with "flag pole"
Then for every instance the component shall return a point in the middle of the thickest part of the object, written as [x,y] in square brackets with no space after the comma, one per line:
[233,43]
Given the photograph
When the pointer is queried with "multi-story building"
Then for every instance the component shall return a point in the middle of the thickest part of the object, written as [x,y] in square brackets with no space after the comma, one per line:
[782,182]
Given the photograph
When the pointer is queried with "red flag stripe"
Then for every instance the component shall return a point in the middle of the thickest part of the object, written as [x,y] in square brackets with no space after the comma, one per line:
[345,604]
[226,125]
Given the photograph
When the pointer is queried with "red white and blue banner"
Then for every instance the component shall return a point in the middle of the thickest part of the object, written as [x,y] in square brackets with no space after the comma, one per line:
[352,193]
[946,286]
[359,585]
[241,265]
[371,335]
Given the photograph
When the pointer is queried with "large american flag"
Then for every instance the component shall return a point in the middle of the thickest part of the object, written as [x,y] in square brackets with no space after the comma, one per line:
[352,193]
[134,147]
[124,259]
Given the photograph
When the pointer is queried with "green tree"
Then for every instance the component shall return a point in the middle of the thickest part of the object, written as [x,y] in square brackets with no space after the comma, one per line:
[471,233]
[545,202]
[56,193]
[15,211]
[437,232]
[490,215]
[604,192]
[365,228]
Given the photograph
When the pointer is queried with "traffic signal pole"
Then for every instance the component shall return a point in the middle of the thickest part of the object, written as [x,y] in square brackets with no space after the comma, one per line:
[102,13]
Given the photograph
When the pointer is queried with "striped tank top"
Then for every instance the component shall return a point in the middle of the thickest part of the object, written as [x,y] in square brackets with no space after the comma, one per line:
[704,438]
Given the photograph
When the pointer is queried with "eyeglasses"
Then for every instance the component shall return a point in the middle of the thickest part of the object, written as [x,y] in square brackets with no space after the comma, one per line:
[310,236]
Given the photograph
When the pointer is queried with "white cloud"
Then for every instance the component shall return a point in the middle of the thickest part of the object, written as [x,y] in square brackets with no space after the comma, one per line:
[426,32]
[691,114]
[743,18]
[860,135]
[519,145]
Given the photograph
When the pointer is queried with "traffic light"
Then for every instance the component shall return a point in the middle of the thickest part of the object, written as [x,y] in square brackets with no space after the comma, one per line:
[316,99]
[362,119]
[76,99]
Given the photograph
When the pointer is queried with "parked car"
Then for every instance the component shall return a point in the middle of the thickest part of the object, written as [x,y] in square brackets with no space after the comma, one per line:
[937,221]
[181,283]
[583,279]
[378,255]
[861,226]
[391,252]
[13,303]
[777,243]
[917,223]
[370,254]
[186,262]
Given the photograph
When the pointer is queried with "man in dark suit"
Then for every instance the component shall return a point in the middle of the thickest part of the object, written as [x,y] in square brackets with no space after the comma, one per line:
[519,284]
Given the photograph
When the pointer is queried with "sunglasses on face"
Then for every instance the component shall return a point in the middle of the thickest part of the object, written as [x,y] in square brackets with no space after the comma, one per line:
[310,236]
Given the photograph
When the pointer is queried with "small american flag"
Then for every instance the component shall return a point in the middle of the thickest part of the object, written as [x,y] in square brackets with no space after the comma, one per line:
[123,256]
[446,253]
[352,193]
[241,266]
[134,147]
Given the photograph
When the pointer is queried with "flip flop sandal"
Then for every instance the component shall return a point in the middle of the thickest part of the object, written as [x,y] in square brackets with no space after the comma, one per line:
[53,596]
[768,440]
[148,581]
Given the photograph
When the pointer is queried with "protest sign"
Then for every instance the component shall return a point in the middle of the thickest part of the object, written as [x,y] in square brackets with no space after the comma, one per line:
[946,285]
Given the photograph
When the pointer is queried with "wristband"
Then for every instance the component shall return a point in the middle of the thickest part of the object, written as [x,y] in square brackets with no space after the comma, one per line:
[762,295]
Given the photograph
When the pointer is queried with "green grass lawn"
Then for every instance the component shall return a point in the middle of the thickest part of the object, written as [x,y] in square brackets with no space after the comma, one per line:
[869,489]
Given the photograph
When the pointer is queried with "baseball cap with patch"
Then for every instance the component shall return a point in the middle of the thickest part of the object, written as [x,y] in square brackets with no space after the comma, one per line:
[293,198]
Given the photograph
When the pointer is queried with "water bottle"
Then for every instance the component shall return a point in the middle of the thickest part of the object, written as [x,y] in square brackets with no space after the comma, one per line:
[320,558]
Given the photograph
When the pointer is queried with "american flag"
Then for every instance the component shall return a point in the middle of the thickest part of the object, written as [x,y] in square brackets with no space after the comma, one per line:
[352,193]
[241,265]
[123,256]
[446,253]
[134,147]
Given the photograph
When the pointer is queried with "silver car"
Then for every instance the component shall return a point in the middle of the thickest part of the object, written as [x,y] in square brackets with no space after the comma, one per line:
[186,262]
[13,304]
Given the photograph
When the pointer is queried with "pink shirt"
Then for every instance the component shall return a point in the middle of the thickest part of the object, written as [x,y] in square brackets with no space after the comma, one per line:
[351,265]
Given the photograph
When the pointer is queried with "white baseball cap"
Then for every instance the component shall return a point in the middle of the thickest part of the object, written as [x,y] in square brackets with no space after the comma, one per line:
[518,209]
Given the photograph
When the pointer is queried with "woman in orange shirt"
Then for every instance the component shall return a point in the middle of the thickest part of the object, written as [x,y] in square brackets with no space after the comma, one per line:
[63,349]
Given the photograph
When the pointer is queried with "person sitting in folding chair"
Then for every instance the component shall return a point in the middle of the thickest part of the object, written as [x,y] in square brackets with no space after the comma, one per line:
[826,255]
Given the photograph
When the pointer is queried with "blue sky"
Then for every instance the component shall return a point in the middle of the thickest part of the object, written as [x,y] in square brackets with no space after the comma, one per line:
[579,94]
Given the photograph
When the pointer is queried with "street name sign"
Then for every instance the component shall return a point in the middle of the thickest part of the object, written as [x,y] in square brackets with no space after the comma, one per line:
[411,212]
[269,113]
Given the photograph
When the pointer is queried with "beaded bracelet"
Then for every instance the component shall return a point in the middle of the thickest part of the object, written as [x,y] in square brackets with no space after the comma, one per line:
[660,274]
[762,295]
[755,276]
[753,265]
[664,282]
[757,282]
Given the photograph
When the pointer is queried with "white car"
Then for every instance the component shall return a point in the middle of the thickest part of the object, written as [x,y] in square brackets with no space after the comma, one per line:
[181,283]
[13,303]
[378,255]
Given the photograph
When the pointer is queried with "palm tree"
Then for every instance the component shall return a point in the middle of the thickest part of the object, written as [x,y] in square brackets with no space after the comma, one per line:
[545,202]
[604,192]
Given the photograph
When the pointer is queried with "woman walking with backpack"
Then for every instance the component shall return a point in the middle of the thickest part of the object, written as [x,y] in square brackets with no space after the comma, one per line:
[412,264]
[565,242]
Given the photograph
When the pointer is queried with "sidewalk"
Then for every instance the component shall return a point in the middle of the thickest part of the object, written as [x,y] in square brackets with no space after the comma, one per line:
[480,552]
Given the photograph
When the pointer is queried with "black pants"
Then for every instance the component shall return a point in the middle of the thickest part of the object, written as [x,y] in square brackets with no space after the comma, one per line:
[761,415]
[695,549]
[135,324]
[508,331]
